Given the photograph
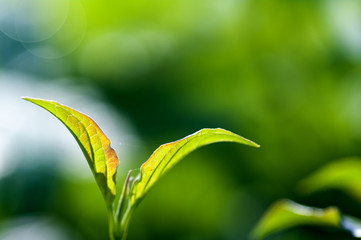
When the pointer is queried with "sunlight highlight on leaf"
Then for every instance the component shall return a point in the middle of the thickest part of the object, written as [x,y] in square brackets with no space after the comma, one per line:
[343,174]
[285,214]
[167,155]
[95,145]
[352,225]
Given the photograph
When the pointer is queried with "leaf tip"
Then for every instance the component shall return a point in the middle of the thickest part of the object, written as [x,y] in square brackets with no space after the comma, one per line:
[29,98]
[25,98]
[243,139]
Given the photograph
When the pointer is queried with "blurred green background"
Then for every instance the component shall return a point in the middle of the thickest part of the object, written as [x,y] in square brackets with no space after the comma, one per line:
[284,73]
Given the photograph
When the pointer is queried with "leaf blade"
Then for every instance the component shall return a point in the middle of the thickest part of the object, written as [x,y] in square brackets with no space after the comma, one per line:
[167,155]
[343,174]
[286,214]
[96,148]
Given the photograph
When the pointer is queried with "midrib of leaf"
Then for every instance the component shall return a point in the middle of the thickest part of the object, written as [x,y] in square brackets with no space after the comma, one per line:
[105,160]
[171,158]
[91,153]
[97,162]
[160,163]
[88,153]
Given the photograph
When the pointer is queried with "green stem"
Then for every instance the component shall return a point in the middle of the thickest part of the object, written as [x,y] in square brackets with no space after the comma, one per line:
[119,215]
[118,225]
[112,225]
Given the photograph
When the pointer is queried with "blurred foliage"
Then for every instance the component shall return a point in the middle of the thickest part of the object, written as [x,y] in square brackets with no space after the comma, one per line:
[343,174]
[286,214]
[284,73]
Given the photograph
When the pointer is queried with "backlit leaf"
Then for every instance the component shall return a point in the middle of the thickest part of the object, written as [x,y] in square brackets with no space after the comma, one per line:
[167,155]
[344,174]
[102,159]
[285,214]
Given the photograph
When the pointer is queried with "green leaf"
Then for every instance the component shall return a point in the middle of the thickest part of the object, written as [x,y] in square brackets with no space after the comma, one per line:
[101,158]
[343,174]
[285,214]
[167,155]
[163,159]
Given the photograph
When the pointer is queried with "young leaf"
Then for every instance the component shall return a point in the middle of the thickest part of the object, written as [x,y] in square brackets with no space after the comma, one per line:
[344,174]
[285,214]
[163,158]
[102,159]
[167,155]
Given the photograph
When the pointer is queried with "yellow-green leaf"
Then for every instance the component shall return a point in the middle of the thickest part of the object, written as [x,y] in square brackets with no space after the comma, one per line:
[343,174]
[95,145]
[167,155]
[285,214]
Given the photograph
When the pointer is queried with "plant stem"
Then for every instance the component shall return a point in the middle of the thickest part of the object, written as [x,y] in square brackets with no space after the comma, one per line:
[119,214]
[118,225]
